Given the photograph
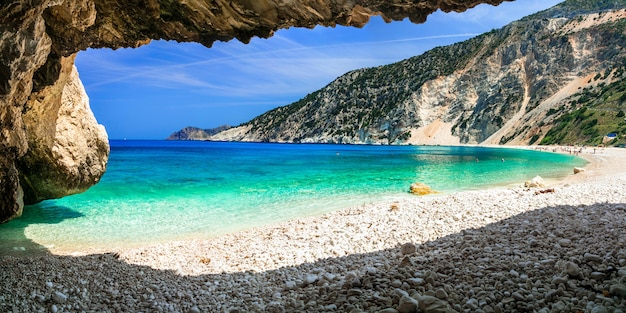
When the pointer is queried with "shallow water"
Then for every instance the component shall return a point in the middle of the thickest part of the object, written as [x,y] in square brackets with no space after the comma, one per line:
[162,190]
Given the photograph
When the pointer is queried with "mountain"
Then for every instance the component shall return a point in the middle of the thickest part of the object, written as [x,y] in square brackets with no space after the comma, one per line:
[514,85]
[195,133]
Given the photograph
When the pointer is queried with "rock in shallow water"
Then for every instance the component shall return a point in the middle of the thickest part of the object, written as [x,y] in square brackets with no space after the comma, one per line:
[420,189]
[536,182]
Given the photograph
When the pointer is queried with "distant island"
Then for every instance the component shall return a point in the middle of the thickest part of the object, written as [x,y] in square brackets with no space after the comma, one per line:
[195,133]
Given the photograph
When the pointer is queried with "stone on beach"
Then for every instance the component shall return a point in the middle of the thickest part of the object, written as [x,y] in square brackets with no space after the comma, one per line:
[430,304]
[578,170]
[572,269]
[536,182]
[618,290]
[59,297]
[407,305]
[408,248]
[592,257]
[309,279]
[420,189]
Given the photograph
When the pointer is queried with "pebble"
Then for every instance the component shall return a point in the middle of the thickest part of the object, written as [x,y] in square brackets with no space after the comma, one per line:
[416,281]
[428,304]
[518,296]
[275,307]
[408,248]
[618,290]
[441,294]
[599,309]
[407,305]
[572,269]
[599,276]
[330,307]
[406,261]
[565,242]
[472,304]
[59,297]
[309,279]
[592,258]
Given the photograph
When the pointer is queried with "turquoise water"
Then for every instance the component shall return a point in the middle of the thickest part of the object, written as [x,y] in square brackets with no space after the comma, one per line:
[164,190]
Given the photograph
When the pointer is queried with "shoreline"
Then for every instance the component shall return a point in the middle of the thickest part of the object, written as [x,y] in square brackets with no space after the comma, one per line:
[597,169]
[373,202]
[597,166]
[536,251]
[37,242]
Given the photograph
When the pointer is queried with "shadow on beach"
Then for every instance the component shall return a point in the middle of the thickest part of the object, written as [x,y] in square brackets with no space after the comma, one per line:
[506,264]
[14,241]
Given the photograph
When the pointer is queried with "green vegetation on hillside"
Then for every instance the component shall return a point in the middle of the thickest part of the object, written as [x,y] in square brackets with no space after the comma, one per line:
[366,97]
[571,8]
[595,112]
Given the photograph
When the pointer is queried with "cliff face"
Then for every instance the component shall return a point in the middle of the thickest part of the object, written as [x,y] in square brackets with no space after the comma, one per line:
[39,37]
[508,86]
[67,149]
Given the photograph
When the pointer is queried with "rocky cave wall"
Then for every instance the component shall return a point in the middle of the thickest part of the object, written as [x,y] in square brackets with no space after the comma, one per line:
[50,143]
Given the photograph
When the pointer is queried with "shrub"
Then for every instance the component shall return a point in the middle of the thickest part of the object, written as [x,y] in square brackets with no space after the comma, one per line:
[533,139]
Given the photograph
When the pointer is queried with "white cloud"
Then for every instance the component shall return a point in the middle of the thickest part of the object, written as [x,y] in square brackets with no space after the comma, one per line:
[262,68]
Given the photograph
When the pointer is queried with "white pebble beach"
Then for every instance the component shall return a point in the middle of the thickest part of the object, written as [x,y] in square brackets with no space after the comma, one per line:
[559,248]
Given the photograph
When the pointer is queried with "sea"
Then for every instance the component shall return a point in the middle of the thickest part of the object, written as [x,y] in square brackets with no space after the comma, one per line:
[159,191]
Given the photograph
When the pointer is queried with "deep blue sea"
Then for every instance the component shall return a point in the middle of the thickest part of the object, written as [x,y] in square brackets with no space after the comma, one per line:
[167,190]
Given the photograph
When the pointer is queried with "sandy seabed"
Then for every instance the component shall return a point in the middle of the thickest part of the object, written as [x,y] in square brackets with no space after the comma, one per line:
[559,248]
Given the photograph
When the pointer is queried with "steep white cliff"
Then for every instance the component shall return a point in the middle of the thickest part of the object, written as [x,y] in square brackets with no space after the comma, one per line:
[508,86]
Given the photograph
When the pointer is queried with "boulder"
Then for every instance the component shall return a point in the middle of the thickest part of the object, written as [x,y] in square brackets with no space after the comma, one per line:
[420,189]
[67,148]
[536,182]
[578,170]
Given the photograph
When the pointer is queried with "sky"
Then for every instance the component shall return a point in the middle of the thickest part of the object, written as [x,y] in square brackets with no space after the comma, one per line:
[157,89]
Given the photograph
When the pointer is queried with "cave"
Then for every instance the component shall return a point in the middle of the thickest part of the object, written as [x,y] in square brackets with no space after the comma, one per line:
[50,143]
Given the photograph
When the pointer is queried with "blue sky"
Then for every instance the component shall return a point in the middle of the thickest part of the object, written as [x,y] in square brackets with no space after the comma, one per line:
[154,90]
